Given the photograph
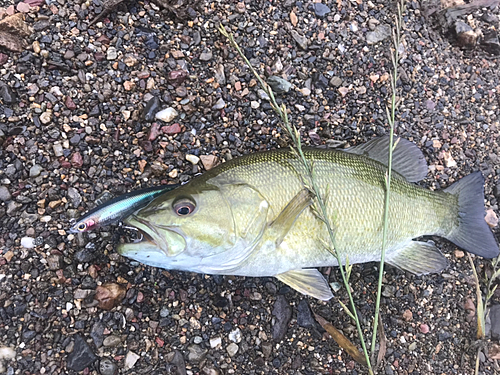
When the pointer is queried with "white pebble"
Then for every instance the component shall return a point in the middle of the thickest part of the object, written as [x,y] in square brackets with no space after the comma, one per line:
[193,159]
[167,114]
[130,360]
[28,242]
[215,342]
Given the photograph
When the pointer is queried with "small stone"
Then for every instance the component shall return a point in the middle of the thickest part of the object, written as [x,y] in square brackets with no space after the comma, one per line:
[374,77]
[54,262]
[343,91]
[302,41]
[109,295]
[209,161]
[380,33]
[112,341]
[220,76]
[107,367]
[23,7]
[82,355]
[151,109]
[175,364]
[240,7]
[305,91]
[215,342]
[424,328]
[232,349]
[206,56]
[279,85]
[171,129]
[293,18]
[75,197]
[235,335]
[336,81]
[69,103]
[7,95]
[459,254]
[196,353]
[167,115]
[173,173]
[220,104]
[321,10]
[46,117]
[35,170]
[408,316]
[130,360]
[177,77]
[28,242]
[4,194]
[491,218]
[466,36]
[283,314]
[412,346]
[449,162]
[193,159]
[254,104]
[304,315]
[76,160]
[111,53]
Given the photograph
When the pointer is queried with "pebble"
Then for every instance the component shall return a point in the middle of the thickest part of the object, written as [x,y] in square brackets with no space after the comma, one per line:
[380,33]
[28,242]
[208,161]
[112,341]
[232,349]
[46,117]
[193,159]
[282,311]
[304,315]
[495,322]
[171,129]
[167,115]
[321,10]
[75,197]
[206,56]
[175,363]
[7,95]
[4,194]
[107,367]
[235,335]
[220,104]
[111,53]
[35,170]
[215,342]
[130,360]
[196,353]
[302,41]
[82,355]
[279,85]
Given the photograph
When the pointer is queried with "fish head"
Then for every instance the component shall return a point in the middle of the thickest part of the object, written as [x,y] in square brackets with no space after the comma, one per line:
[188,228]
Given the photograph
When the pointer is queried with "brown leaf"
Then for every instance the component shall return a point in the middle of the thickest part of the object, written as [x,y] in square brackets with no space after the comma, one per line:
[109,295]
[13,30]
[383,341]
[341,340]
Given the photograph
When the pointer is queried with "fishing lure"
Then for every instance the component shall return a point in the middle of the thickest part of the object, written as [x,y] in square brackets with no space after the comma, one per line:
[118,208]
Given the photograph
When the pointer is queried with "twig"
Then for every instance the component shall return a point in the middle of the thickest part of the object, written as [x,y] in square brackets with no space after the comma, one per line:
[391,119]
[310,183]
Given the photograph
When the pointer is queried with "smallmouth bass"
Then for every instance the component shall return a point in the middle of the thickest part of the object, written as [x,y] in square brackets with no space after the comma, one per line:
[252,216]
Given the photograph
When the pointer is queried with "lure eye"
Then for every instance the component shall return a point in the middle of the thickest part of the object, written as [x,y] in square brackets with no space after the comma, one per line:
[82,227]
[183,208]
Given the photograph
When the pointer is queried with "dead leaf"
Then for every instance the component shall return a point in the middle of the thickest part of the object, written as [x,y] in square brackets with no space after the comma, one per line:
[491,218]
[341,340]
[383,341]
[13,31]
[109,295]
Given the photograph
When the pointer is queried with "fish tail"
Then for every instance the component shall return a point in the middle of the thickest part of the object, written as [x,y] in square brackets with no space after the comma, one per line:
[472,233]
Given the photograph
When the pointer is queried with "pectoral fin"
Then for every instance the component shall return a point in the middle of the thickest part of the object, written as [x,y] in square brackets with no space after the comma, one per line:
[419,258]
[283,223]
[307,281]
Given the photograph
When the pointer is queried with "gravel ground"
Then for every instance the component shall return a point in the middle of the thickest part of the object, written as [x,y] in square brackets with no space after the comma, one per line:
[77,123]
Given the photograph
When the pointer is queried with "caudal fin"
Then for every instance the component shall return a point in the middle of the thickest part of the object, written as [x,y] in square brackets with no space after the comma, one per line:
[472,233]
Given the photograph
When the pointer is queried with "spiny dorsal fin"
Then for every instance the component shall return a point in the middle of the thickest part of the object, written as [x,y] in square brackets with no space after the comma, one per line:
[419,258]
[307,281]
[407,159]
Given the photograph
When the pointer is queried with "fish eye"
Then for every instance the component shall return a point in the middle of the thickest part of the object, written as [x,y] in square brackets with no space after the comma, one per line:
[183,207]
[82,227]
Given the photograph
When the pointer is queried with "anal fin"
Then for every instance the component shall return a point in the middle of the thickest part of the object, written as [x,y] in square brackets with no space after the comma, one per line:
[307,281]
[419,258]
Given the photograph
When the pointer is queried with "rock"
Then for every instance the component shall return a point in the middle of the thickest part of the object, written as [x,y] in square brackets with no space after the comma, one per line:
[69,103]
[96,333]
[75,197]
[304,315]
[380,33]
[167,115]
[7,96]
[220,104]
[336,82]
[35,170]
[107,367]
[154,132]
[278,84]
[76,160]
[46,117]
[208,161]
[54,262]
[28,242]
[111,53]
[466,37]
[177,77]
[12,207]
[408,315]
[82,355]
[232,349]
[235,335]
[4,194]
[320,10]
[206,56]
[283,314]
[175,363]
[215,342]
[491,218]
[196,353]
[424,328]
[109,295]
[302,41]
[171,129]
[130,360]
[112,341]
[7,353]
[495,322]
[193,159]
[151,109]
[220,76]
[84,256]
[490,42]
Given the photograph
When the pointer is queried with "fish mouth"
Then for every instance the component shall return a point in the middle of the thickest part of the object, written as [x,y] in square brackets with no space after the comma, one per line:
[145,236]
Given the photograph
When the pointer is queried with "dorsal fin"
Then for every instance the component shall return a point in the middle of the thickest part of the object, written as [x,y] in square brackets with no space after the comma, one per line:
[407,159]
